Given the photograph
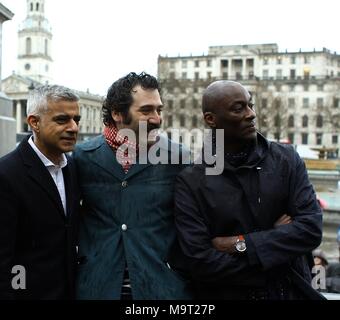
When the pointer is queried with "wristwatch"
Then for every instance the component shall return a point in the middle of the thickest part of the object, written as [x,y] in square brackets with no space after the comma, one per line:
[240,244]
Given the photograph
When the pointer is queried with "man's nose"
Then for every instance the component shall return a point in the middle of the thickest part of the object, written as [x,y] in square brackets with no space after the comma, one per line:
[251,114]
[156,118]
[73,127]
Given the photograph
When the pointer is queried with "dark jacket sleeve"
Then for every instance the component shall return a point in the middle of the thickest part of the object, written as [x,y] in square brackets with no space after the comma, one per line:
[201,261]
[8,222]
[281,245]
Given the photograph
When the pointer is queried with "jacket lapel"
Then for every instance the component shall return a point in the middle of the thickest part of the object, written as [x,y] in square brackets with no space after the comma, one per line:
[39,174]
[105,158]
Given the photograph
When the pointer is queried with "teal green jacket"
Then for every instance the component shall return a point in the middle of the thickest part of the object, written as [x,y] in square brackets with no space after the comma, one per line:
[126,217]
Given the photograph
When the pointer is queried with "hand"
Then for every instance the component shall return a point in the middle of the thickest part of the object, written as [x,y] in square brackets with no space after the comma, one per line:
[285,219]
[224,244]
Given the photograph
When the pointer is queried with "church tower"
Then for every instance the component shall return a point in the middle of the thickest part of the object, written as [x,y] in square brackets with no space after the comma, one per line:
[35,39]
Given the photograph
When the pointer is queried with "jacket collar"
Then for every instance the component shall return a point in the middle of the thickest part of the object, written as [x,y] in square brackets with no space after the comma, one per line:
[40,175]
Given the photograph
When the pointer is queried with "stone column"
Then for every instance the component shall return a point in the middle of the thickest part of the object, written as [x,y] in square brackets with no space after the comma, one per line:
[244,69]
[19,116]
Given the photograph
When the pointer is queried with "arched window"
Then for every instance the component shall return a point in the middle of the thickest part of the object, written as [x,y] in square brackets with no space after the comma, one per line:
[291,121]
[31,6]
[28,45]
[319,121]
[46,47]
[37,7]
[304,121]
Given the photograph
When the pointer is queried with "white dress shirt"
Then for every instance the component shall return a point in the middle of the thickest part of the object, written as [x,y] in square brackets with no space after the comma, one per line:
[54,170]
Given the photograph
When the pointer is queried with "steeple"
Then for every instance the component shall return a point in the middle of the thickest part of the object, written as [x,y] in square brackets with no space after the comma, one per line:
[35,39]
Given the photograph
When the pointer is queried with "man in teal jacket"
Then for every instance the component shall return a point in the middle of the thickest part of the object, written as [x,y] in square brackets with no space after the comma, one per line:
[127,228]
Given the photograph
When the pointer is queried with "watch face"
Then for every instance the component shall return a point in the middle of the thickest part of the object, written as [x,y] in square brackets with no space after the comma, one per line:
[241,246]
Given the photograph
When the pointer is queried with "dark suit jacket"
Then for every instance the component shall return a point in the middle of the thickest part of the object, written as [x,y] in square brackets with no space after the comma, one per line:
[34,231]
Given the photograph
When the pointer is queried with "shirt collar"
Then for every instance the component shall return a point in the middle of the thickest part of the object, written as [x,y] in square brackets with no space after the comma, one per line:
[47,162]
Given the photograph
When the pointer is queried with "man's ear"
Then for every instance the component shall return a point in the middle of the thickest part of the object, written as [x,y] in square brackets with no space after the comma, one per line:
[117,116]
[34,122]
[210,119]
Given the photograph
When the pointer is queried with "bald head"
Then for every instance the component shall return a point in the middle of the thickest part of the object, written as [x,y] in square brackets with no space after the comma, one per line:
[217,92]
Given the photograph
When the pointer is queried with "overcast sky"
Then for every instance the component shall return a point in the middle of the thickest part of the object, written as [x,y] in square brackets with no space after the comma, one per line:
[96,42]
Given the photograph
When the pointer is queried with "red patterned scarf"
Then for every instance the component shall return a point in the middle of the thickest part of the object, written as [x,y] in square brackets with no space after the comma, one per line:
[115,140]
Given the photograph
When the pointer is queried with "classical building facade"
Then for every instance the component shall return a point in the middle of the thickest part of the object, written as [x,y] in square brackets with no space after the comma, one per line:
[35,67]
[296,94]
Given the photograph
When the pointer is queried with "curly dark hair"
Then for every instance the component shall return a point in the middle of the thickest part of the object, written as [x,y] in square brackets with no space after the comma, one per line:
[119,97]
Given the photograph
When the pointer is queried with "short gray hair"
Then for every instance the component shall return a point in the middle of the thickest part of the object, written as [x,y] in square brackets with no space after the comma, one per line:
[39,97]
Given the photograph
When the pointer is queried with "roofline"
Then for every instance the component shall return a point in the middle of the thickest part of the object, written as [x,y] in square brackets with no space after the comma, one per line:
[6,13]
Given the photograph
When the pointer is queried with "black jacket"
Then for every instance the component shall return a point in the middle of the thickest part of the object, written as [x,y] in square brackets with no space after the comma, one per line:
[34,231]
[247,200]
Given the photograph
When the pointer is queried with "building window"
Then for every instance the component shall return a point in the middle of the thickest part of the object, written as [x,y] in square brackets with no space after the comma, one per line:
[183,89]
[335,139]
[291,103]
[184,75]
[27,66]
[209,75]
[170,104]
[225,75]
[306,59]
[264,121]
[319,121]
[172,75]
[336,102]
[305,121]
[306,87]
[292,73]
[291,87]
[291,121]
[182,103]
[208,63]
[277,121]
[305,102]
[184,64]
[264,103]
[306,73]
[279,60]
[31,6]
[28,45]
[182,120]
[291,138]
[194,121]
[265,61]
[279,74]
[195,90]
[170,90]
[319,138]
[304,138]
[197,64]
[292,59]
[37,7]
[170,121]
[265,74]
[224,63]
[320,87]
[197,75]
[194,103]
[172,64]
[319,102]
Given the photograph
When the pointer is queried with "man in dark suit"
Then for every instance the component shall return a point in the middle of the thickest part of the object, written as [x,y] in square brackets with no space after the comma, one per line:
[39,202]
